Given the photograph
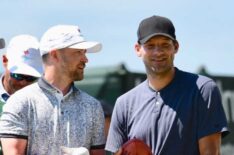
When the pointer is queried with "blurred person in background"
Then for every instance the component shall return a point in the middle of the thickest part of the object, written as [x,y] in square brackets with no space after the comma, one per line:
[22,65]
[107,108]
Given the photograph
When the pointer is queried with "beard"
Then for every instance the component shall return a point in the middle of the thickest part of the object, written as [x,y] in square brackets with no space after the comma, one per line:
[74,73]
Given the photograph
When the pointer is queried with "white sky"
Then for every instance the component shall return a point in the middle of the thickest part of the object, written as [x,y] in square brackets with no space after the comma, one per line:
[204,28]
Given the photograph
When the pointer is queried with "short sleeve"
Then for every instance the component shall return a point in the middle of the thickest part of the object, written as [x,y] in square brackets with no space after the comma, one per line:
[211,114]
[117,134]
[98,138]
[14,119]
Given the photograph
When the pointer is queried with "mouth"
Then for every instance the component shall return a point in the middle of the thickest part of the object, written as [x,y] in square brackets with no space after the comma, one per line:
[159,60]
[81,67]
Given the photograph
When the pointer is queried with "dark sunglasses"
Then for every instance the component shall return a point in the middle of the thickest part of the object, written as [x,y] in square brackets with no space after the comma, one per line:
[20,77]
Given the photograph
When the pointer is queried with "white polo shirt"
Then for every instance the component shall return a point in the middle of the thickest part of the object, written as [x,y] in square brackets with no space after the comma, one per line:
[49,120]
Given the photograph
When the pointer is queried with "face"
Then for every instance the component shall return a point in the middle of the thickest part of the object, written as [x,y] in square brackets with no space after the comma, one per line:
[14,82]
[157,54]
[73,63]
[18,81]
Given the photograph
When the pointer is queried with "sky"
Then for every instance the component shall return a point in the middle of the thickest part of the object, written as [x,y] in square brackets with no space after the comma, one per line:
[204,28]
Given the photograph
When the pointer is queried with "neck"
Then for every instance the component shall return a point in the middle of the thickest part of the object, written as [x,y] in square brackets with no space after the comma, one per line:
[57,80]
[159,81]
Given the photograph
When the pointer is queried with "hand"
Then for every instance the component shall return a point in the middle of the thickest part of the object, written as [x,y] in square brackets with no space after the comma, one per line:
[119,152]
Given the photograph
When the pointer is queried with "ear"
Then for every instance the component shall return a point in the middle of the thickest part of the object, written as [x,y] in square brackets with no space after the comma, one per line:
[138,49]
[54,55]
[4,61]
[176,44]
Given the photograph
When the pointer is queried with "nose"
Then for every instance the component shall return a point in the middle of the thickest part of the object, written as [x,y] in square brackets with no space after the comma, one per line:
[158,49]
[84,58]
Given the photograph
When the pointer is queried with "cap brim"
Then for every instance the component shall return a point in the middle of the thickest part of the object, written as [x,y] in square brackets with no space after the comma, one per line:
[35,71]
[91,47]
[153,35]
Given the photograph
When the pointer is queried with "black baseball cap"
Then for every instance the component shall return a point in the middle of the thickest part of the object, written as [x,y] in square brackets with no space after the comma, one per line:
[154,26]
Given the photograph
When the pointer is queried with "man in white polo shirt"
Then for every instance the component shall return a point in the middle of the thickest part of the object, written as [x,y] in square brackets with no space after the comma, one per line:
[52,113]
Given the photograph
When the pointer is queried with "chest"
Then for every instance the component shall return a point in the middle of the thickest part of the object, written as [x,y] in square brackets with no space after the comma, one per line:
[60,122]
[161,116]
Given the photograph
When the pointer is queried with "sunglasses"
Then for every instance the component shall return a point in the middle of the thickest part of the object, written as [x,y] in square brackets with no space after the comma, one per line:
[20,77]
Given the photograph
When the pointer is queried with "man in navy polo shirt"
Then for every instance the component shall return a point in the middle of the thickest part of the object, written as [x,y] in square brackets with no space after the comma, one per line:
[173,112]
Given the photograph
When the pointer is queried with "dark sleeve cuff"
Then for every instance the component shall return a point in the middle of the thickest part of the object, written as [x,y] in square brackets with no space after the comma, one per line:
[97,147]
[13,136]
[225,133]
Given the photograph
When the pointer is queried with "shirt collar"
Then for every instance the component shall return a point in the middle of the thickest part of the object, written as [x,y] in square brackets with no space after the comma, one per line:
[52,89]
[171,84]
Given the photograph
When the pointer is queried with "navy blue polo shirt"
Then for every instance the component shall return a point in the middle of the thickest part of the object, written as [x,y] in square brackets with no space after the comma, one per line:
[172,120]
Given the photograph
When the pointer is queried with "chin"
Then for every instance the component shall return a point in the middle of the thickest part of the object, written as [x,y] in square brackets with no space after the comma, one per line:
[79,78]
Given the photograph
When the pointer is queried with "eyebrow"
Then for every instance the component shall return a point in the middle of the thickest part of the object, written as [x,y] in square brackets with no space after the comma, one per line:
[80,50]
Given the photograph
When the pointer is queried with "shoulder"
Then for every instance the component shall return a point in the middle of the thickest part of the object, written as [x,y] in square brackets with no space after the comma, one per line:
[86,97]
[25,93]
[30,89]
[19,100]
[134,97]
[134,92]
[199,80]
[202,86]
